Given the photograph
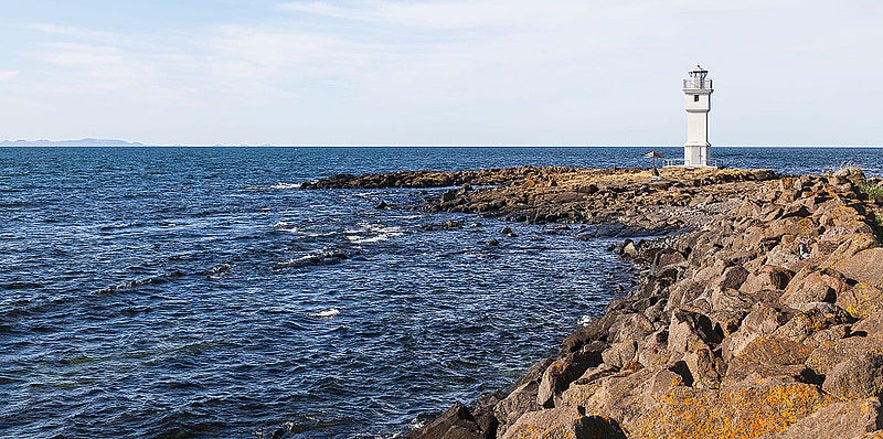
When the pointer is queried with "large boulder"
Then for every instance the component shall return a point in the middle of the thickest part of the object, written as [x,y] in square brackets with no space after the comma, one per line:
[705,368]
[865,266]
[677,375]
[734,277]
[595,330]
[861,300]
[456,423]
[564,371]
[745,411]
[563,423]
[763,319]
[860,377]
[689,331]
[770,277]
[813,317]
[850,419]
[813,285]
[872,324]
[630,327]
[620,395]
[520,401]
[483,413]
[828,355]
[768,357]
[618,354]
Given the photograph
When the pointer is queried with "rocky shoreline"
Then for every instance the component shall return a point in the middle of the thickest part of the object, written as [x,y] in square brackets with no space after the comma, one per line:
[762,317]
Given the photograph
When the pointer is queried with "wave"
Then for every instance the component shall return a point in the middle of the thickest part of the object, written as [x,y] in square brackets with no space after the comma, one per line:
[326,256]
[161,279]
[285,186]
[213,273]
[380,233]
[217,271]
[327,314]
[277,186]
[283,226]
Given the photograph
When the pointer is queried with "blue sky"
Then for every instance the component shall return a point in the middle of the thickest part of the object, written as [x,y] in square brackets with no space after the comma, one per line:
[439,72]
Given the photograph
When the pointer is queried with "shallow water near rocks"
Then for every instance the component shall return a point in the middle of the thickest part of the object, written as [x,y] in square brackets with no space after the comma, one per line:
[174,292]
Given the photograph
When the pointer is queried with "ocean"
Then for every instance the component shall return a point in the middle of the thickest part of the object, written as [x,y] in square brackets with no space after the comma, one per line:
[197,292]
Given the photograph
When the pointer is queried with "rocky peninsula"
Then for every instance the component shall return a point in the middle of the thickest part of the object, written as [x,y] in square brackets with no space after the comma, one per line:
[759,315]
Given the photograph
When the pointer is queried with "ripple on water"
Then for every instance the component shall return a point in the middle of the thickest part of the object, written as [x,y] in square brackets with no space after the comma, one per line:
[192,292]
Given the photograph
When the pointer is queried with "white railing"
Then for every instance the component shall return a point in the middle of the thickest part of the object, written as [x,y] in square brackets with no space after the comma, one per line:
[696,83]
[711,163]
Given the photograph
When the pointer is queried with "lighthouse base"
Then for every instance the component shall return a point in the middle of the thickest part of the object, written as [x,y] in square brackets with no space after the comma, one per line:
[680,163]
[696,156]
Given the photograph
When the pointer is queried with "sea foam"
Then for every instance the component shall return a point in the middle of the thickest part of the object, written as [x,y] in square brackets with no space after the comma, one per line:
[327,314]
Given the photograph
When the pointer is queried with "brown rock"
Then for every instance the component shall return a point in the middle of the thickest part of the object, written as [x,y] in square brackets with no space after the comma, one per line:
[849,419]
[620,395]
[812,285]
[728,299]
[684,292]
[854,378]
[769,357]
[850,246]
[596,330]
[734,277]
[770,278]
[861,300]
[814,317]
[705,368]
[456,423]
[872,324]
[483,413]
[536,370]
[563,423]
[828,355]
[727,322]
[763,319]
[782,255]
[669,258]
[748,411]
[561,373]
[522,400]
[630,327]
[689,331]
[618,354]
[666,379]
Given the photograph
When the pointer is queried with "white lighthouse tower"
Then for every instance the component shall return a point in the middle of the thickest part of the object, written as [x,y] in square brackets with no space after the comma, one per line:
[697,89]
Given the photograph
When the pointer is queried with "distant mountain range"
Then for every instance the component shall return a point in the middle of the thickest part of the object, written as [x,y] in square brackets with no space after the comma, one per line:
[81,142]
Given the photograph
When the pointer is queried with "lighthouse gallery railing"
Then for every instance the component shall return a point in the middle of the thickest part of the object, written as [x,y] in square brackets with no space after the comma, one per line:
[697,83]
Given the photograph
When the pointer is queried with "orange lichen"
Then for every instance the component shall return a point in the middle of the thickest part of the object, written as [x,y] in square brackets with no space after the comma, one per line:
[744,413]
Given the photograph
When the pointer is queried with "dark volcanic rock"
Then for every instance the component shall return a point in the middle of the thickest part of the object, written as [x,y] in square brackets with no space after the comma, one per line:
[456,423]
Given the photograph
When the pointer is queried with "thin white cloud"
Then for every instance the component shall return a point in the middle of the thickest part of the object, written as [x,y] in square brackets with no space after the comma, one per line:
[451,14]
[453,72]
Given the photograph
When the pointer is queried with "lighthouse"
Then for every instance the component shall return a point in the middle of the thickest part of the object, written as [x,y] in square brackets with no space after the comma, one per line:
[697,89]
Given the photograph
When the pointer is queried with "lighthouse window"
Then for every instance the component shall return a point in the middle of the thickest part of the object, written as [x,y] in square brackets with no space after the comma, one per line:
[695,98]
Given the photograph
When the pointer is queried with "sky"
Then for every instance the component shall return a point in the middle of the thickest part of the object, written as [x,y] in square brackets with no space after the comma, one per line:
[439,72]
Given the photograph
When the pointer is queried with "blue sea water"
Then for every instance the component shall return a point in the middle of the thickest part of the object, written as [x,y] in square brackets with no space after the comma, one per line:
[197,292]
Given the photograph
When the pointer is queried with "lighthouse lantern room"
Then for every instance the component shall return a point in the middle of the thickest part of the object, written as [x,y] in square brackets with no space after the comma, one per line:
[697,89]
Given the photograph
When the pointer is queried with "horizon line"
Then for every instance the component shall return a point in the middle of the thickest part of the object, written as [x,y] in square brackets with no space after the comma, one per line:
[382,145]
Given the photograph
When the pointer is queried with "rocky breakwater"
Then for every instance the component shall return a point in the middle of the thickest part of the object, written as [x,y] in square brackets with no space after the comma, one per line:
[763,319]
